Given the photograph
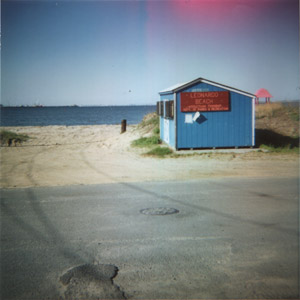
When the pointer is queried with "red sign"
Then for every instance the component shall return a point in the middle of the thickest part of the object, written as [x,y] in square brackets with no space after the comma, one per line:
[204,101]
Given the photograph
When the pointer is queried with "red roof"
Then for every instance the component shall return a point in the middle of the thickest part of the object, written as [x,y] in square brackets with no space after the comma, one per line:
[261,93]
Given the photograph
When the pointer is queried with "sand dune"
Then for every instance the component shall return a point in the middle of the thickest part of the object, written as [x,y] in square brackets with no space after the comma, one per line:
[68,155]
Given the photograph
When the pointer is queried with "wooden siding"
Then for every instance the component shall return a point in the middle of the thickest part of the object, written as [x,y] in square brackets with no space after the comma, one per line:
[231,128]
[171,122]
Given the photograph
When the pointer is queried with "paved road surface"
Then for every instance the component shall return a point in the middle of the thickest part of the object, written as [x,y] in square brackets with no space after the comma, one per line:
[232,238]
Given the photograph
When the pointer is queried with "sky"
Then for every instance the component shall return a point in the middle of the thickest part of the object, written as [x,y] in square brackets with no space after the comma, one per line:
[125,52]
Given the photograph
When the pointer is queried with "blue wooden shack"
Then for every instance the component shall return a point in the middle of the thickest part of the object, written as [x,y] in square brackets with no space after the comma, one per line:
[206,114]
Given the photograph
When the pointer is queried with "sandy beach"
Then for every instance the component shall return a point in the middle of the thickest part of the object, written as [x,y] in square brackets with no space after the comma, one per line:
[74,155]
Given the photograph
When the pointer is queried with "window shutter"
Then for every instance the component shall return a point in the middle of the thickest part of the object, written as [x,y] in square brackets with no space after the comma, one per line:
[170,109]
[161,108]
[167,109]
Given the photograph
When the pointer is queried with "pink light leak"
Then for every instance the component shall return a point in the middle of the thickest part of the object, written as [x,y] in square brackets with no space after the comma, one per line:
[196,13]
[181,26]
[206,16]
[219,15]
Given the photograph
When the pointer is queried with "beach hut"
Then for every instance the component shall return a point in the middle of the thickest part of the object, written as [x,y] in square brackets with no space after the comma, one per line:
[206,114]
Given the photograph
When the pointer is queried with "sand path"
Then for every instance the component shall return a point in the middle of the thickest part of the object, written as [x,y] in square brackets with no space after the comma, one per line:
[72,155]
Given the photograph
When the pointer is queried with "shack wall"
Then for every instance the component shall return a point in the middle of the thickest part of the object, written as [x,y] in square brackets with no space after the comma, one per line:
[231,128]
[167,125]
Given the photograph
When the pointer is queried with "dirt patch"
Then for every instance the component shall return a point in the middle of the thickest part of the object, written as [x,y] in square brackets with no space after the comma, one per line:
[91,282]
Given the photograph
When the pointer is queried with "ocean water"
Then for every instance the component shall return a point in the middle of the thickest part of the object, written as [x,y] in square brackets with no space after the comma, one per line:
[69,116]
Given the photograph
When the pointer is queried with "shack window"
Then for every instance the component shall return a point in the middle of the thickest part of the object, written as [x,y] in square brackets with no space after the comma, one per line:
[161,108]
[170,109]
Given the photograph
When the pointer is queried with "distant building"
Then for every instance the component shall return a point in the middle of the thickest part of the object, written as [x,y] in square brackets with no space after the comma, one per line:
[206,114]
[263,93]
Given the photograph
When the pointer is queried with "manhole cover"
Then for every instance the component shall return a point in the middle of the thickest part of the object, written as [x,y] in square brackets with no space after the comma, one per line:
[159,211]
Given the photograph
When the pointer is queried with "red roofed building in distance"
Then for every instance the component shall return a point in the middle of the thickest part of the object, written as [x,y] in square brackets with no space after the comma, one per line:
[262,93]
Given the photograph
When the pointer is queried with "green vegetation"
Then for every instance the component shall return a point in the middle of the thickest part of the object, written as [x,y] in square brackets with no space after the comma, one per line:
[294,116]
[150,125]
[146,141]
[159,152]
[156,131]
[10,138]
[289,149]
[293,112]
[269,138]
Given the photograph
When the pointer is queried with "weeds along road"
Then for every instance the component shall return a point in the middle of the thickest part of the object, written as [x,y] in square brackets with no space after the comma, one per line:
[227,238]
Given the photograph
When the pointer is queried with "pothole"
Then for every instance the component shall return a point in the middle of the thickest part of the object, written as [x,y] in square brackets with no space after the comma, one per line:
[91,282]
[159,211]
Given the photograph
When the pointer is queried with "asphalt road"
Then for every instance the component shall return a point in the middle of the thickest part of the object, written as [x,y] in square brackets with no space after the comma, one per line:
[232,238]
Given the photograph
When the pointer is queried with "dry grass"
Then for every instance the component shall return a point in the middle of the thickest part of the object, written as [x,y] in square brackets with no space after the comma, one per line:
[277,127]
[281,118]
[150,122]
[268,110]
